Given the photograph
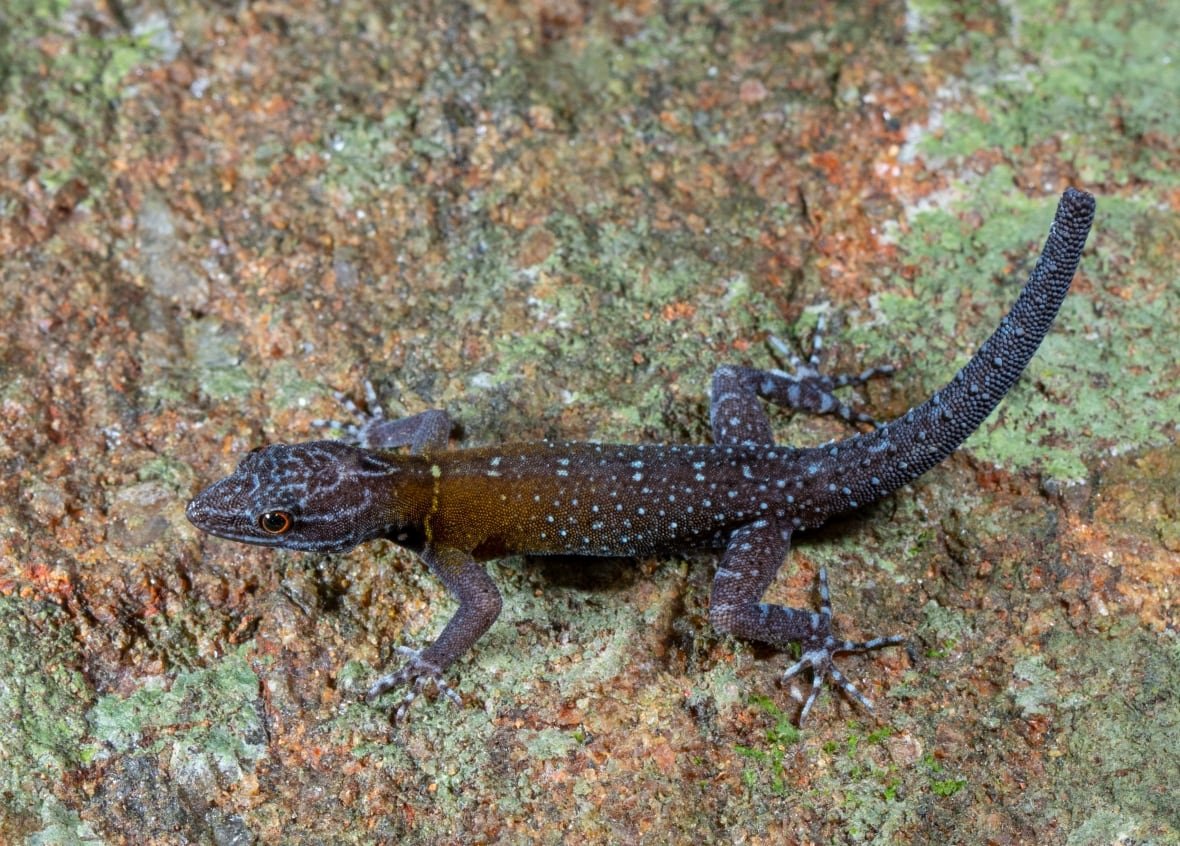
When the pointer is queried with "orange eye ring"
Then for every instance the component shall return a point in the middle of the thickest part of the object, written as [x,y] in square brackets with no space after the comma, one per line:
[275,522]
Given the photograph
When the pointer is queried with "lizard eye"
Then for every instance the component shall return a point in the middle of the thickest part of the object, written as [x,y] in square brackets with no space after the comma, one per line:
[275,522]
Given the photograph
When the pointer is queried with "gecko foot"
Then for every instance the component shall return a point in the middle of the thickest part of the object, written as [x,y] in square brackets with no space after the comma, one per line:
[418,673]
[368,418]
[819,654]
[426,430]
[813,388]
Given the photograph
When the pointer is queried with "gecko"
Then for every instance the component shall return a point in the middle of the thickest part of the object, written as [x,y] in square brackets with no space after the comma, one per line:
[743,494]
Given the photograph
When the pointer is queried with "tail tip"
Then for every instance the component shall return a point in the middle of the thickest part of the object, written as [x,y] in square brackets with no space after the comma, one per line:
[1077,202]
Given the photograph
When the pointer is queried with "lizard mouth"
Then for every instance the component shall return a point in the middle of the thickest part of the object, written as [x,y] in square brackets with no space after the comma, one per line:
[218,511]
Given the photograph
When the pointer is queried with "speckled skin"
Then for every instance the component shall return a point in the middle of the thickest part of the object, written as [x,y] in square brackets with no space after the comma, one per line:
[743,494]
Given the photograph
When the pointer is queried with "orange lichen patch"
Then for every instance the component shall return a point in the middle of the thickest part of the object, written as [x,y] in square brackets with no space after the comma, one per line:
[536,248]
[570,716]
[1134,534]
[752,91]
[39,581]
[1151,592]
[678,311]
[830,165]
[670,120]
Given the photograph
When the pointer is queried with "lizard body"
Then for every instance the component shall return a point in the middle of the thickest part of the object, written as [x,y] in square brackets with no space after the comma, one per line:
[456,508]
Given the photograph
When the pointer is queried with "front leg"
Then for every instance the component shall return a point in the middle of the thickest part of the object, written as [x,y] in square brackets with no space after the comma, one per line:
[479,606]
[427,431]
[750,562]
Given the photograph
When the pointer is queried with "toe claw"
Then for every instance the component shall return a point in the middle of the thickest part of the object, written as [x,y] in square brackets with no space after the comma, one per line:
[816,685]
[794,669]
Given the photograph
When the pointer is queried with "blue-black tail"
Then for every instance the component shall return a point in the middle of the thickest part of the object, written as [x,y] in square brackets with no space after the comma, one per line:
[878,462]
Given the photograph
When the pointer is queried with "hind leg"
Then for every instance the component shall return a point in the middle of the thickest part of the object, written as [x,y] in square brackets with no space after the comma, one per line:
[737,416]
[751,560]
[806,387]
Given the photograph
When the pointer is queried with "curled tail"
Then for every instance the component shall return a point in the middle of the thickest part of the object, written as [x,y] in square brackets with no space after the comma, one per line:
[878,462]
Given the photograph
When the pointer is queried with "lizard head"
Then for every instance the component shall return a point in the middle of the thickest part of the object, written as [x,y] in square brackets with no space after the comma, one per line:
[315,496]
